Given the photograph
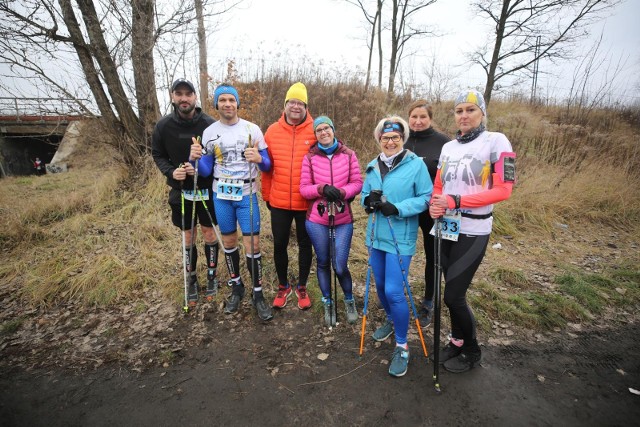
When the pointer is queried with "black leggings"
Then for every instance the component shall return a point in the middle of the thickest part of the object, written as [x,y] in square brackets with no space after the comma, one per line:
[281,220]
[426,223]
[460,261]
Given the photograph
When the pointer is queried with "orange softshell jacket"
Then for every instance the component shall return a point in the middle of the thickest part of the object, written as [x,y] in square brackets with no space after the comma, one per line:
[287,146]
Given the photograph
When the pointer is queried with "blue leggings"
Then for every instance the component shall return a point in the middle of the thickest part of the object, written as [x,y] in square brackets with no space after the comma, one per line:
[390,287]
[319,235]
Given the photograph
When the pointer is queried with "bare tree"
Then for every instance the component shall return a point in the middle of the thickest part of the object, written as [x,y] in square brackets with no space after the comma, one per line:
[108,68]
[202,45]
[403,30]
[527,31]
[142,43]
[113,42]
[374,22]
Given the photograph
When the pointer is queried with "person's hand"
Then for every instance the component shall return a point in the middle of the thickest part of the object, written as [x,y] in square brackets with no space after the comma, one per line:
[196,150]
[436,211]
[179,173]
[252,155]
[440,201]
[388,209]
[331,193]
[189,169]
[373,201]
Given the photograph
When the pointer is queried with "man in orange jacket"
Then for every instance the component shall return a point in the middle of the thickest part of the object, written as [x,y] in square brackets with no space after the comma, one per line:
[288,141]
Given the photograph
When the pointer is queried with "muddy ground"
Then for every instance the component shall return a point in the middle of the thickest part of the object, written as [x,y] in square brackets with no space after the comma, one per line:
[143,362]
[244,372]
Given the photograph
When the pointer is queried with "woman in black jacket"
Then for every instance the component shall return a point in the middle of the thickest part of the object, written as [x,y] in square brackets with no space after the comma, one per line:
[427,143]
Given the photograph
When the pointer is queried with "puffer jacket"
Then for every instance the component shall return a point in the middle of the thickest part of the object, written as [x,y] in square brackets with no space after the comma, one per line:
[408,186]
[287,145]
[341,171]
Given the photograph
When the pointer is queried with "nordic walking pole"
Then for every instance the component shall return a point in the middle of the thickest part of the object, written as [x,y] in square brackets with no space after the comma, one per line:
[253,273]
[184,252]
[406,285]
[368,283]
[206,209]
[436,305]
[193,209]
[332,254]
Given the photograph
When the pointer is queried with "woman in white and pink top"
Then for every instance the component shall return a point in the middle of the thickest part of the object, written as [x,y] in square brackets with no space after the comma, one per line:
[475,170]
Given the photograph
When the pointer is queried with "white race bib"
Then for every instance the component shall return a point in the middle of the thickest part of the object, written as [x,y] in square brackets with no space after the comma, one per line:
[450,224]
[229,189]
[201,195]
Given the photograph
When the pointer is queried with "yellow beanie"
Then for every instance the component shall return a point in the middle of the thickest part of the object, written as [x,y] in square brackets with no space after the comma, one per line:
[297,91]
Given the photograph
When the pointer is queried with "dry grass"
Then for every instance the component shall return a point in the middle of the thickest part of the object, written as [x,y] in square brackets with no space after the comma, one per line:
[99,236]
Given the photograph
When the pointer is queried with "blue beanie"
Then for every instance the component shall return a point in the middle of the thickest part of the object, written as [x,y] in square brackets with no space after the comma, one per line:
[222,89]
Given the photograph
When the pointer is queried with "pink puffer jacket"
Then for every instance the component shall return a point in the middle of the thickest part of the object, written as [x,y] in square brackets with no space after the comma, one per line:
[341,170]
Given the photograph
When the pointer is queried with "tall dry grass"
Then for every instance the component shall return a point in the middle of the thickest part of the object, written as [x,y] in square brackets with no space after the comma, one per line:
[101,233]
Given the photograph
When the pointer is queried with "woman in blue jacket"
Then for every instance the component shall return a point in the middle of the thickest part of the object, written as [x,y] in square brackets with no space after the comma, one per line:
[396,190]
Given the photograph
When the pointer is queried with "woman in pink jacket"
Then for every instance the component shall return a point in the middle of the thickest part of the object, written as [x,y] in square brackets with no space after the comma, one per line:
[331,179]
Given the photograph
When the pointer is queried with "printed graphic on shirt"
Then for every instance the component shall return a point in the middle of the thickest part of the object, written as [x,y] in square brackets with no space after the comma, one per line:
[228,143]
[466,169]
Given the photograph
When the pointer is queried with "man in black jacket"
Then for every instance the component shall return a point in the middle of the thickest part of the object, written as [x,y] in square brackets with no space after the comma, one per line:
[170,144]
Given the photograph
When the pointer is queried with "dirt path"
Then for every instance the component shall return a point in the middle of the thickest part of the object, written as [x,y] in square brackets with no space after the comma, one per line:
[270,374]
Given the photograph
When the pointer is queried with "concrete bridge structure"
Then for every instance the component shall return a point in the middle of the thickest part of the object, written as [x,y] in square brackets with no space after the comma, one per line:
[31,128]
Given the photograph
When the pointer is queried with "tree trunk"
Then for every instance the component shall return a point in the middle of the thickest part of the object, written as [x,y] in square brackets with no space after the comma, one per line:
[371,42]
[142,43]
[394,50]
[495,58]
[86,61]
[202,46]
[109,71]
[379,12]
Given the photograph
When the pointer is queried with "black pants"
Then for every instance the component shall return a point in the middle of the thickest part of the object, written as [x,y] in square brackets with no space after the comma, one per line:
[426,223]
[460,261]
[281,220]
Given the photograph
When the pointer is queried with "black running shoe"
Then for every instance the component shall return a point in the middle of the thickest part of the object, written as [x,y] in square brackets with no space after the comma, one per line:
[233,303]
[262,308]
[447,352]
[465,361]
[424,316]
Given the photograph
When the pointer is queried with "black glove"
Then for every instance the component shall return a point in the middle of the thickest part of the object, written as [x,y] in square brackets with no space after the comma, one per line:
[373,201]
[269,206]
[331,193]
[388,209]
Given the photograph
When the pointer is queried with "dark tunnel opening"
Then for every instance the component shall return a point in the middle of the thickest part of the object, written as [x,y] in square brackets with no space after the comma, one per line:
[18,152]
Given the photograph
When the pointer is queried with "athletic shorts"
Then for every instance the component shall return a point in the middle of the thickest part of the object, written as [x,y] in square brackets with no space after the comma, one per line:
[202,217]
[230,213]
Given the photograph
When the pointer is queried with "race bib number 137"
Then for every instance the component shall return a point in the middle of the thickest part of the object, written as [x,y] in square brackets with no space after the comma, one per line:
[229,189]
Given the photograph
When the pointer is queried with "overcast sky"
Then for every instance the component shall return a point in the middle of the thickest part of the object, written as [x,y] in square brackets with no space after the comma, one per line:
[330,35]
[333,32]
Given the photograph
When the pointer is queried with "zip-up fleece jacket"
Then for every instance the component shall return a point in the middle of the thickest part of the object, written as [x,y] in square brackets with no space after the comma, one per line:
[340,170]
[287,145]
[408,186]
[171,145]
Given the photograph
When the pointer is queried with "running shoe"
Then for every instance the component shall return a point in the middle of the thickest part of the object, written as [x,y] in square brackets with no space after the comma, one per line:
[304,301]
[399,362]
[282,296]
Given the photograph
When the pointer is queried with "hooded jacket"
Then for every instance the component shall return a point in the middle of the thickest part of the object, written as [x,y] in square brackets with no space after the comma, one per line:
[340,170]
[171,145]
[287,145]
[408,186]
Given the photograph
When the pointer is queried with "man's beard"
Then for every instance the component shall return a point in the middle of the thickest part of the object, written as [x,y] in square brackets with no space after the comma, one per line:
[186,110]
